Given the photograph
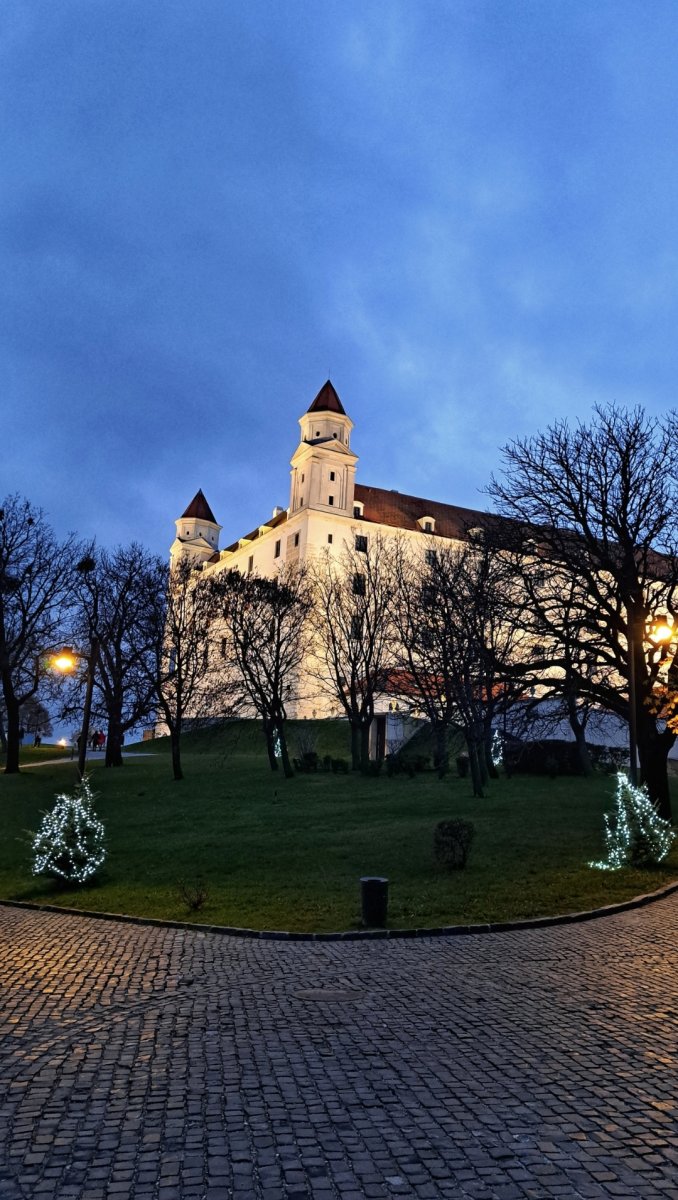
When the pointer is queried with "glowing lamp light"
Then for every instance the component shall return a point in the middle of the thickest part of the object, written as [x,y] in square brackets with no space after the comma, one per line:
[64,660]
[661,633]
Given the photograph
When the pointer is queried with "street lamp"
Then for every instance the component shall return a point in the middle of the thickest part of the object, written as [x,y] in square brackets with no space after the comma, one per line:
[65,661]
[660,635]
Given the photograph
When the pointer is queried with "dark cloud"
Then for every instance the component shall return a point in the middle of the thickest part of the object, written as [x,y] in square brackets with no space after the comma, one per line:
[465,213]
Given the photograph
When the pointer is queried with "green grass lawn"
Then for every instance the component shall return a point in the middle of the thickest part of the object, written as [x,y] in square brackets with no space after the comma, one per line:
[277,854]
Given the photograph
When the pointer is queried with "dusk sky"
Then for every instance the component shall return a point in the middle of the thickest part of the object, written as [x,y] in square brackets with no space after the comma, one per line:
[464,213]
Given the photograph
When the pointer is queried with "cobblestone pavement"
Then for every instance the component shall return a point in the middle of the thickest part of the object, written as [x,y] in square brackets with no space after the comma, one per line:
[155,1064]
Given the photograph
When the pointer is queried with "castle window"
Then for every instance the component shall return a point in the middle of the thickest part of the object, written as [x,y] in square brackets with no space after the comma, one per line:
[358,509]
[428,595]
[250,563]
[359,585]
[331,476]
[427,524]
[296,539]
[222,648]
[431,558]
[301,501]
[334,435]
[361,543]
[276,553]
[317,433]
[330,499]
[329,539]
[303,478]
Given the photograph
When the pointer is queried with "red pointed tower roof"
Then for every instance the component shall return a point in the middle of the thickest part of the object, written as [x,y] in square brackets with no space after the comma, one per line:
[200,509]
[327,401]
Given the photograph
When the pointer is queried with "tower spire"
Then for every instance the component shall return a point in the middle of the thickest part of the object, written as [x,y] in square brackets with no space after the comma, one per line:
[323,465]
[197,531]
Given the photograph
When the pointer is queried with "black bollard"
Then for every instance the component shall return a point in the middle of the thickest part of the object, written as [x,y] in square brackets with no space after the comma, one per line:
[374,897]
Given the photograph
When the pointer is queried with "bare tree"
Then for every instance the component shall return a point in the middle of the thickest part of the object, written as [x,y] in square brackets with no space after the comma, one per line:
[353,631]
[264,645]
[461,642]
[180,618]
[113,592]
[33,718]
[555,666]
[36,576]
[596,507]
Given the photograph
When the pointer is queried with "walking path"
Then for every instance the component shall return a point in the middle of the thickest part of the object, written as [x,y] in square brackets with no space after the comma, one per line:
[160,1064]
[92,756]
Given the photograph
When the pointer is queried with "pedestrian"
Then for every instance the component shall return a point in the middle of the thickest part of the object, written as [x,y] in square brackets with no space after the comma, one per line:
[101,740]
[94,740]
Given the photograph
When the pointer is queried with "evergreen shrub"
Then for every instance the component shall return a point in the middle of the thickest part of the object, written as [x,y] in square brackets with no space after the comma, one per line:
[452,843]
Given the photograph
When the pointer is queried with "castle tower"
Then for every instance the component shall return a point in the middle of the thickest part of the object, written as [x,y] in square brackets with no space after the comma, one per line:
[323,465]
[197,532]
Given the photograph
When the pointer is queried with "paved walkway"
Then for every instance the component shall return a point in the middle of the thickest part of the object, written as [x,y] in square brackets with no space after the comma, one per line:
[155,1064]
[92,756]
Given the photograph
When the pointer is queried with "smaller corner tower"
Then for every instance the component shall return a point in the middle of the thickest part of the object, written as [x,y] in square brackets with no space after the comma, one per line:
[197,532]
[323,465]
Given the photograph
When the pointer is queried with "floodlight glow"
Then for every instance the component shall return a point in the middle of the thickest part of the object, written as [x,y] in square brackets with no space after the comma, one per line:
[661,633]
[64,661]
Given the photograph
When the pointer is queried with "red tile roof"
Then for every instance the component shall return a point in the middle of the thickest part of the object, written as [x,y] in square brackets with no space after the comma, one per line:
[199,509]
[403,512]
[327,401]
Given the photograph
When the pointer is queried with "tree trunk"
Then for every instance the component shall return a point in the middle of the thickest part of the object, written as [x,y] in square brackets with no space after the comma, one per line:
[269,734]
[479,743]
[476,777]
[175,742]
[356,741]
[113,745]
[441,761]
[12,710]
[284,754]
[3,736]
[579,731]
[365,747]
[653,750]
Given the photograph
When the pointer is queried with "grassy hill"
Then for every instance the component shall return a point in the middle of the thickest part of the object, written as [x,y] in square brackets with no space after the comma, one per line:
[283,854]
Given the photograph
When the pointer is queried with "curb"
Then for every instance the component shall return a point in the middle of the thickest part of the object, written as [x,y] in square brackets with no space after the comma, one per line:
[354,935]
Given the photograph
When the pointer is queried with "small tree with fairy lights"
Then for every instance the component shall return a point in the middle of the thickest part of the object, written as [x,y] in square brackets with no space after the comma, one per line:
[70,841]
[635,834]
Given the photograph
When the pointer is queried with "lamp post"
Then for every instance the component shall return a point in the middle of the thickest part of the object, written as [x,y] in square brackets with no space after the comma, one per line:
[660,636]
[64,661]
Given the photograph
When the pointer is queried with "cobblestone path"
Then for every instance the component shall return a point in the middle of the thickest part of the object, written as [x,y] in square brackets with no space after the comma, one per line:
[155,1064]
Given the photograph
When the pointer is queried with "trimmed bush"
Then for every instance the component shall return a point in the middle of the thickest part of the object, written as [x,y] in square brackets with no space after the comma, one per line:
[452,843]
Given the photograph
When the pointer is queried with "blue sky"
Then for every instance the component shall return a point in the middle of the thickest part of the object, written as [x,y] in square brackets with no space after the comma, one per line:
[465,213]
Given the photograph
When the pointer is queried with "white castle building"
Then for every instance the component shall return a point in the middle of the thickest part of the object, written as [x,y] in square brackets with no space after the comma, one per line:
[327,509]
[327,506]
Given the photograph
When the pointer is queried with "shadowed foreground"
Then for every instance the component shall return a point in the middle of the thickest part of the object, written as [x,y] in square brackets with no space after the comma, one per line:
[154,1064]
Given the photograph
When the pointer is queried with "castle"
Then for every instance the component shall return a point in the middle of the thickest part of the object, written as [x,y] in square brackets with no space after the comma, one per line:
[327,509]
[327,506]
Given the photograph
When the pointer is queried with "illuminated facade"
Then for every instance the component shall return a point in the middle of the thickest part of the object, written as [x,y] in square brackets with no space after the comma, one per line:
[327,510]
